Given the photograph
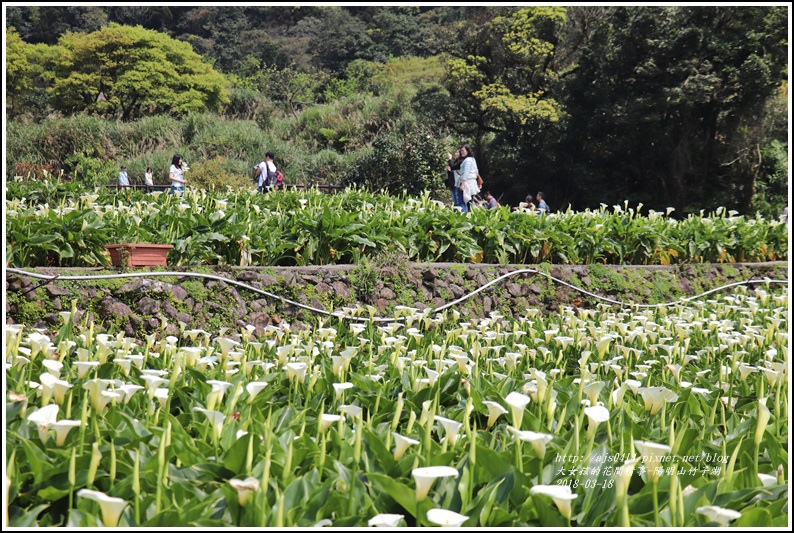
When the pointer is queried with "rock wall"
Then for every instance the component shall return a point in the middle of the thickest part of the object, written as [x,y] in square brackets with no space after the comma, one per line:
[142,305]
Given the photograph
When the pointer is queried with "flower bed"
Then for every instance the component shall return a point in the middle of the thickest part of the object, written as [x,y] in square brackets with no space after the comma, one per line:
[293,228]
[674,416]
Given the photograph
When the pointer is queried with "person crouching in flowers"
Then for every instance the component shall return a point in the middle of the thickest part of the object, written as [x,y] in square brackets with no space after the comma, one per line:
[177,174]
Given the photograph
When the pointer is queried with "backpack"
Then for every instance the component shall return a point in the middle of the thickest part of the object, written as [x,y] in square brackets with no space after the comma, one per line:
[254,175]
[270,176]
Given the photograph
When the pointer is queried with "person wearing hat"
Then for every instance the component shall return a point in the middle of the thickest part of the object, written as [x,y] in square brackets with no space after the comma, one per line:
[124,181]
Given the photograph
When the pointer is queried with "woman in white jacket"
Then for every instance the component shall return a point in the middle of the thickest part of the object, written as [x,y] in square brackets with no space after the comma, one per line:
[468,175]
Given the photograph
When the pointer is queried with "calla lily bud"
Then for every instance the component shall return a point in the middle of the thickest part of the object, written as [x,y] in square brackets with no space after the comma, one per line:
[763,420]
[96,456]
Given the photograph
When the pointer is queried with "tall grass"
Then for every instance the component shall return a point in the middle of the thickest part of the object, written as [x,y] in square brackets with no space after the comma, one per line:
[317,146]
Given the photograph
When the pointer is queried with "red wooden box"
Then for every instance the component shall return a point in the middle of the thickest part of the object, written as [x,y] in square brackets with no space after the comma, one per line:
[138,254]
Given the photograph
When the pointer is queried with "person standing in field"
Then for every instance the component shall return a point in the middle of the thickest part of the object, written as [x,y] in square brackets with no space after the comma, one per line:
[177,174]
[468,175]
[269,172]
[148,180]
[453,179]
[261,176]
[124,181]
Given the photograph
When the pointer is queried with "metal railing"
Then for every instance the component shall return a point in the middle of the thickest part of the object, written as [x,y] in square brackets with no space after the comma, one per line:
[165,188]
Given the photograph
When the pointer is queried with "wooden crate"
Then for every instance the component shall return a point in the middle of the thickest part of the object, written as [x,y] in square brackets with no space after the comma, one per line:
[138,254]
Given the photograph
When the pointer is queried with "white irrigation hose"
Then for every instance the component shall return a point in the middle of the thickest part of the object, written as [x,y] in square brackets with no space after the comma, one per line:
[341,315]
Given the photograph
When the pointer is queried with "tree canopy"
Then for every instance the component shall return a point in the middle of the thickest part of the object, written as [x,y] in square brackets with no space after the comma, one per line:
[128,71]
[681,106]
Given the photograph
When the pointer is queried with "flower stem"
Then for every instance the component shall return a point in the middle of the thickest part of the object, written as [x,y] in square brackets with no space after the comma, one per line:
[136,486]
[777,409]
[264,485]
[590,440]
[655,503]
[519,462]
[673,496]
[624,511]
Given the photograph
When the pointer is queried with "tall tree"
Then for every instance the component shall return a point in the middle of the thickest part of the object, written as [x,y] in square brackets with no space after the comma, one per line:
[17,70]
[29,72]
[660,98]
[157,18]
[128,72]
[503,83]
[45,24]
[340,39]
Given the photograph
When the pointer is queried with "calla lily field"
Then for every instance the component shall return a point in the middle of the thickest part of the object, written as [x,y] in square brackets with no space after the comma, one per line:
[56,224]
[670,416]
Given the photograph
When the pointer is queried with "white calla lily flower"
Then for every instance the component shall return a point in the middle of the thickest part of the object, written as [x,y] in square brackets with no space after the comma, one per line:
[327,419]
[451,428]
[495,410]
[44,418]
[655,397]
[216,418]
[425,476]
[339,388]
[652,454]
[560,494]
[597,414]
[62,429]
[718,514]
[401,445]
[253,388]
[244,488]
[538,440]
[385,520]
[446,518]
[353,411]
[110,507]
[517,402]
[762,421]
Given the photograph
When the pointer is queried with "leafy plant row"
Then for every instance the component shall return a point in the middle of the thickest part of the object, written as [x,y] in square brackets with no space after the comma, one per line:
[666,417]
[61,225]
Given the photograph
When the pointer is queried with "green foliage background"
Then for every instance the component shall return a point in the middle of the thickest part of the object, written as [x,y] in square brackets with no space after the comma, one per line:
[682,106]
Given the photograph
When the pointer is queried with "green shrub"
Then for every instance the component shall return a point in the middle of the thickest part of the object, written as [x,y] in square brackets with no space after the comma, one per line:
[219,173]
[91,171]
[410,163]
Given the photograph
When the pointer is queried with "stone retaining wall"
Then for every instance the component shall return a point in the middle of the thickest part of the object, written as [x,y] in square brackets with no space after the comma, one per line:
[139,306]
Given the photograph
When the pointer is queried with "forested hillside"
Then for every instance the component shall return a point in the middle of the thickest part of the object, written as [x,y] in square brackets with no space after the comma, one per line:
[682,106]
